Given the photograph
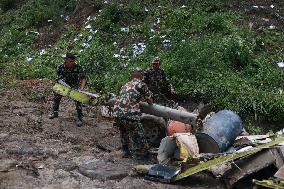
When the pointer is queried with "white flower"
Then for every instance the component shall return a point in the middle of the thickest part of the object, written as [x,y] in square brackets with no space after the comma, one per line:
[116,55]
[124,29]
[42,51]
[280,64]
[29,59]
[146,10]
[138,49]
[85,45]
[88,27]
[158,20]
[90,38]
[272,27]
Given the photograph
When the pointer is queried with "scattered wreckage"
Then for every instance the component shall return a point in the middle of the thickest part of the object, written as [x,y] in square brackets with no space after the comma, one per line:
[214,144]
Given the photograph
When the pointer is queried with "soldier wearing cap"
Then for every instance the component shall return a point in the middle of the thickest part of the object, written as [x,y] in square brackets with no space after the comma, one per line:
[73,75]
[127,113]
[158,83]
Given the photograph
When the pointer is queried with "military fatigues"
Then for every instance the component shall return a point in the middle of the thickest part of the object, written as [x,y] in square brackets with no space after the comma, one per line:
[127,112]
[72,78]
[159,84]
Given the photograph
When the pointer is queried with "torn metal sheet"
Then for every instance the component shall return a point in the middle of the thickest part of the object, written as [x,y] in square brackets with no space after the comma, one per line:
[280,173]
[226,158]
[162,173]
[256,139]
[252,164]
[218,171]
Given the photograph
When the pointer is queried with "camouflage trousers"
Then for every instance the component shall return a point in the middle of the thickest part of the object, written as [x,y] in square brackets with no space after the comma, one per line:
[133,130]
[56,103]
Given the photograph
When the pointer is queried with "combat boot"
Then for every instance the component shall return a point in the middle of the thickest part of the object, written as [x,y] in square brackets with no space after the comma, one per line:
[79,122]
[53,115]
[125,151]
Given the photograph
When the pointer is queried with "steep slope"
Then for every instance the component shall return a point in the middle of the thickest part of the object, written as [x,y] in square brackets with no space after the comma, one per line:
[223,52]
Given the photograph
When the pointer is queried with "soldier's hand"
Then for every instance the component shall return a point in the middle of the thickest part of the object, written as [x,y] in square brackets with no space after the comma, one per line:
[150,101]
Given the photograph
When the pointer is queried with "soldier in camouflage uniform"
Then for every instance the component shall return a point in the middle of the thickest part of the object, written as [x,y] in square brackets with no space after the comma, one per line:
[158,83]
[73,75]
[127,113]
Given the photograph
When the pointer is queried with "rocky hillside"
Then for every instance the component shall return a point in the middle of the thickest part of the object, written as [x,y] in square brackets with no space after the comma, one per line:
[222,52]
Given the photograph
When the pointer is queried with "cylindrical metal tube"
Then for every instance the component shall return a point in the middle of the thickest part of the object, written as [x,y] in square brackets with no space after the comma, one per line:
[169,113]
[219,132]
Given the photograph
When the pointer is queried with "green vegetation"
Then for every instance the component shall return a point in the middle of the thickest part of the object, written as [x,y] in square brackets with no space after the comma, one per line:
[204,49]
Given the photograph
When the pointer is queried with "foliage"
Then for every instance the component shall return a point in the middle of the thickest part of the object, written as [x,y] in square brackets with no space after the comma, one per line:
[6,5]
[205,53]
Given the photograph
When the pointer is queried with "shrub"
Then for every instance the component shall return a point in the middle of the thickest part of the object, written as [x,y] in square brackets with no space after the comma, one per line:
[6,5]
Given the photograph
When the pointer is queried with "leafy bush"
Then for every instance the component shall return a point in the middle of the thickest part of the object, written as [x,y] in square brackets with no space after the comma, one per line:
[209,58]
[6,5]
[239,52]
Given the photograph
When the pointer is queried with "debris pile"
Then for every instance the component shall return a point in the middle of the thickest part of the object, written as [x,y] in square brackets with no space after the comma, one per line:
[226,155]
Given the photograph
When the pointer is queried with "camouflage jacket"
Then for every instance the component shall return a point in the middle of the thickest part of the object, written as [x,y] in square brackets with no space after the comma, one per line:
[157,81]
[71,77]
[127,104]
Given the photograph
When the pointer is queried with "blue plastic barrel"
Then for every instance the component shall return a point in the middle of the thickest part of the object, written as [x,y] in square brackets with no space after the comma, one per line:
[219,132]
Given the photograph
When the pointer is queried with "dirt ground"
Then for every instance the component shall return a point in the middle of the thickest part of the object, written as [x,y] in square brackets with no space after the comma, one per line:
[36,152]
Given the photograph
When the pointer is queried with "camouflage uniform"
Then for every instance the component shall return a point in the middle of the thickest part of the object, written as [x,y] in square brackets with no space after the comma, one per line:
[72,78]
[159,84]
[127,112]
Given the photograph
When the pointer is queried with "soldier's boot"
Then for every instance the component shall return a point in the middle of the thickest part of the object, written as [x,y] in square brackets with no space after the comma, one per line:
[125,151]
[79,121]
[55,107]
[53,115]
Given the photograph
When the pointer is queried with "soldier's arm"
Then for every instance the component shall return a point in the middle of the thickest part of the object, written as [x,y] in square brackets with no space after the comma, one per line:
[146,77]
[82,77]
[59,74]
[167,82]
[146,93]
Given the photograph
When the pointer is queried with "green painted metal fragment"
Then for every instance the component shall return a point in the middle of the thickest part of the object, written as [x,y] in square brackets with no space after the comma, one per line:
[226,158]
[270,184]
[83,97]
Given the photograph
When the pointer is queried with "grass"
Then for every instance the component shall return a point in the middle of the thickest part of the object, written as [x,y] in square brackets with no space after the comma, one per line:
[204,51]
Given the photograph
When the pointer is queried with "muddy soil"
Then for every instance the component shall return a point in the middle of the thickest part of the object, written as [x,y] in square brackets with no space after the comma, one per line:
[36,152]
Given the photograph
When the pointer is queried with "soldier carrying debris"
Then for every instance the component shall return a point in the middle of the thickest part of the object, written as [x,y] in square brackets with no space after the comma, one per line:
[158,83]
[71,74]
[128,115]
